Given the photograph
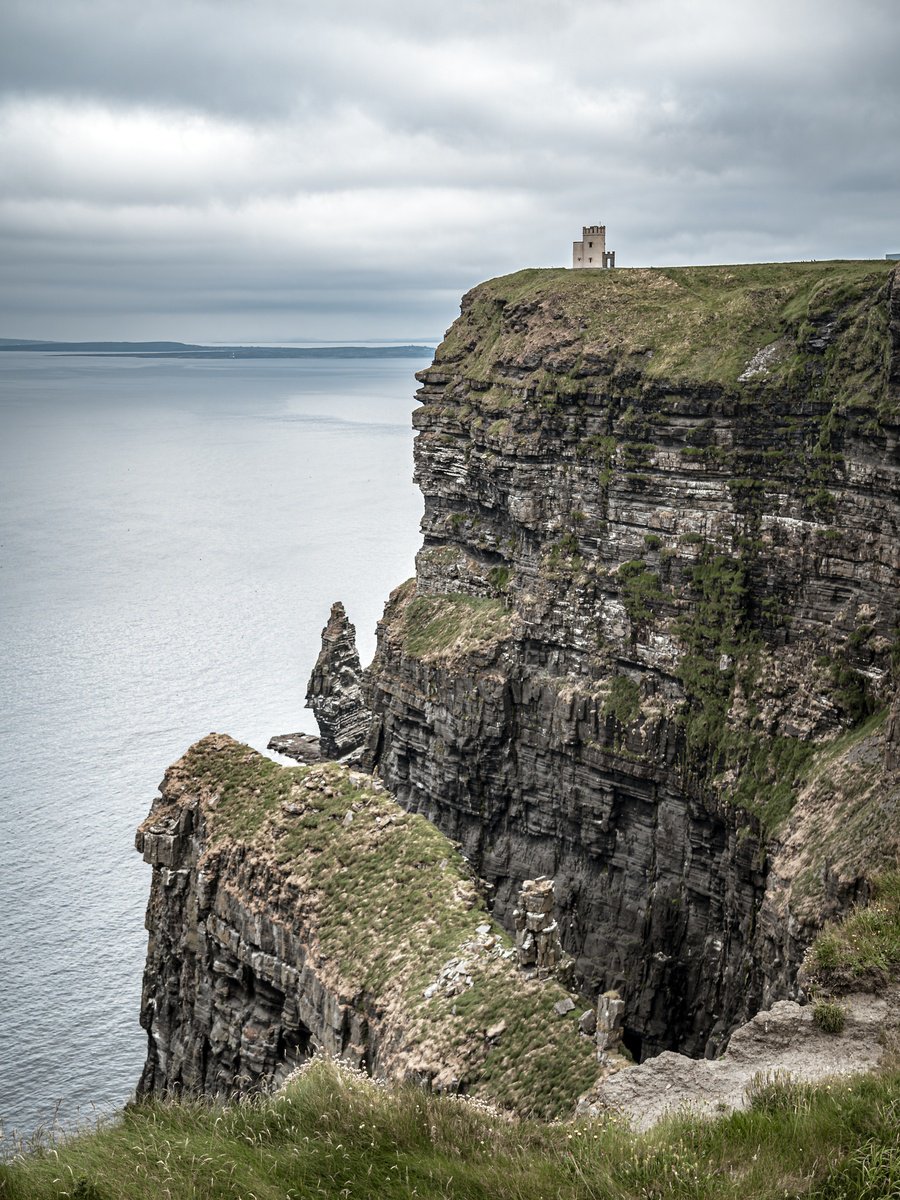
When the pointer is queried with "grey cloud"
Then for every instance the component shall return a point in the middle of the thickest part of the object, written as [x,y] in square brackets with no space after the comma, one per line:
[246,158]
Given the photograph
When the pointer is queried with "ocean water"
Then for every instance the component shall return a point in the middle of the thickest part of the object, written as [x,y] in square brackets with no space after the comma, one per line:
[172,535]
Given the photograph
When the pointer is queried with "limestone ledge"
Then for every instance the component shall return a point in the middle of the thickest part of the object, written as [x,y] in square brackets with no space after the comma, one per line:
[779,1047]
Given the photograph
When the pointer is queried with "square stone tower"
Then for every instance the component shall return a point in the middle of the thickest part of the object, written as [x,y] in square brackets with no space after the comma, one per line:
[591,250]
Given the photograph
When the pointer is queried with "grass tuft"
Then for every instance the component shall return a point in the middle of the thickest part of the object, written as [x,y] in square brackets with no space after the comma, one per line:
[829,1017]
[862,950]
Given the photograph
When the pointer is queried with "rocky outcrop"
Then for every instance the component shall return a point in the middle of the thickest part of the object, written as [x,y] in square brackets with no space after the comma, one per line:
[538,947]
[301,747]
[335,693]
[780,1046]
[659,580]
[300,910]
[610,1015]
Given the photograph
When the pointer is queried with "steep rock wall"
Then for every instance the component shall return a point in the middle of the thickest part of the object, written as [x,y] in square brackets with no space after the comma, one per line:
[300,910]
[659,572]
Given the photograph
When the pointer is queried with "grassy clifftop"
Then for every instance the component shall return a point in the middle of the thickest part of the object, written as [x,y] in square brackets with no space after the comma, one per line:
[690,324]
[389,903]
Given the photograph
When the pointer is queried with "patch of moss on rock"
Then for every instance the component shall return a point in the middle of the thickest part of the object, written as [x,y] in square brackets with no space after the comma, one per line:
[437,625]
[640,590]
[624,700]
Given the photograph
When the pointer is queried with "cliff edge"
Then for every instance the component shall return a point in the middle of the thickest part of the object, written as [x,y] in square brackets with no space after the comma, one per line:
[650,653]
[652,640]
[299,910]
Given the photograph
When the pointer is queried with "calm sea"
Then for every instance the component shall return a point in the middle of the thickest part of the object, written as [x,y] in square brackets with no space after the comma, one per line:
[172,535]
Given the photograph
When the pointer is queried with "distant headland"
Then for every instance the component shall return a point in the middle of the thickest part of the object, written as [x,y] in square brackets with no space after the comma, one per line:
[186,350]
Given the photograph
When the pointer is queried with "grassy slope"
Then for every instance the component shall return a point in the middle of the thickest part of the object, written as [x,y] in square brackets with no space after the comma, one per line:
[334,1134]
[390,901]
[847,816]
[450,624]
[683,324]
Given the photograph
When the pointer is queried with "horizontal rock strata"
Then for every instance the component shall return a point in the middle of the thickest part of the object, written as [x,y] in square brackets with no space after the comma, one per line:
[335,692]
[300,910]
[659,575]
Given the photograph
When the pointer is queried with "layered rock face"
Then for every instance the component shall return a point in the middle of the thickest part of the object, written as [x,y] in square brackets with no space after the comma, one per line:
[659,575]
[233,997]
[335,692]
[300,910]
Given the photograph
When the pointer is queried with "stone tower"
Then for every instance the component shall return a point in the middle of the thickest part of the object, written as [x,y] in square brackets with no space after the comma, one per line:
[591,250]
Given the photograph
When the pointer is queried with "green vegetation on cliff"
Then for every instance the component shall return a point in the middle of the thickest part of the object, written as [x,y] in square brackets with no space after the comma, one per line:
[437,624]
[862,951]
[685,324]
[389,902]
[331,1133]
[455,623]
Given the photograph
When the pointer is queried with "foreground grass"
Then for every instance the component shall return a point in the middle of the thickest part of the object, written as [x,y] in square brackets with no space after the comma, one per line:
[331,1133]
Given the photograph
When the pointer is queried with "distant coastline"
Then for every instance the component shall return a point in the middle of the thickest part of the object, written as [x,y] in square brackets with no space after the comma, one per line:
[187,350]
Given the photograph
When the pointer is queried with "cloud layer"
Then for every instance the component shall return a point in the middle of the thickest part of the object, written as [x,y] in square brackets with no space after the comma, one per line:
[219,169]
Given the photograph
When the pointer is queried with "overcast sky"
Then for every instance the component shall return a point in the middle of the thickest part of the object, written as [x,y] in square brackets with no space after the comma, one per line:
[277,169]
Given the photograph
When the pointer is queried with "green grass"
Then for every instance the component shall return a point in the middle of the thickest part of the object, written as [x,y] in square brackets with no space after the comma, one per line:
[435,625]
[721,642]
[624,700]
[498,577]
[640,590]
[701,324]
[387,901]
[331,1133]
[862,950]
[848,817]
[829,1017]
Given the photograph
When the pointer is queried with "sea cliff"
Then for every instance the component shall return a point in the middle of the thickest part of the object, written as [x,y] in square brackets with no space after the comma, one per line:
[301,911]
[650,653]
[652,637]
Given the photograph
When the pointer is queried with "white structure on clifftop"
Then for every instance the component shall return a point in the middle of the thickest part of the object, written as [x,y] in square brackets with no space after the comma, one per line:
[591,250]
